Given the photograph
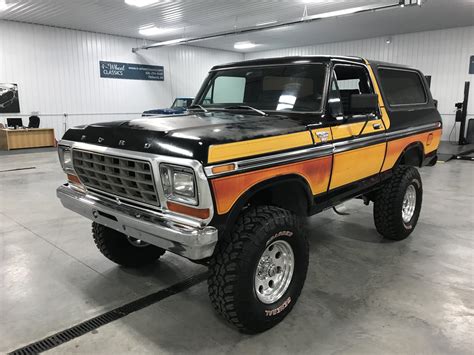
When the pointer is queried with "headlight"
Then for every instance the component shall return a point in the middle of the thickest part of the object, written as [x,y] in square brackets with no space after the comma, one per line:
[179,183]
[65,158]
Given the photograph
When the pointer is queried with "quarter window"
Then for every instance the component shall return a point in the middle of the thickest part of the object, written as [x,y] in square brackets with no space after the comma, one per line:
[402,87]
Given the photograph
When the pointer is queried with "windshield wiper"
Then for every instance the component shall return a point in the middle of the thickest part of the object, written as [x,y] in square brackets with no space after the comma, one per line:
[245,107]
[198,106]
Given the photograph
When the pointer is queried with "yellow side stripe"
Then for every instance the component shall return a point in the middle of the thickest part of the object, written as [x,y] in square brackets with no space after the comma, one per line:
[259,146]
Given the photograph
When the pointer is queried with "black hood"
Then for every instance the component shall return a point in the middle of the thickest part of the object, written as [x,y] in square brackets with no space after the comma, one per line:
[184,136]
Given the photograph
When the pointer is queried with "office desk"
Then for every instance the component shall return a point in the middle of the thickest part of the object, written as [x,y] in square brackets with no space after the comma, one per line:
[26,138]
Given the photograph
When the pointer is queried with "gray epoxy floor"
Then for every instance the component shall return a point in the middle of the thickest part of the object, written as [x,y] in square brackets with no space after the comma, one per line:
[363,295]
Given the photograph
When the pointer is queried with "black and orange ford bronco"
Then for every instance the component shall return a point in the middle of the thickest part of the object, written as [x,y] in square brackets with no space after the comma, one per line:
[228,183]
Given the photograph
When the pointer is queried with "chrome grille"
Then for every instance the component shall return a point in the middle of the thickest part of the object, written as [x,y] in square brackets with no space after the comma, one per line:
[119,176]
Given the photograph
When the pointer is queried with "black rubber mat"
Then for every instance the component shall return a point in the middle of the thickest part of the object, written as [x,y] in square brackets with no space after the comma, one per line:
[110,316]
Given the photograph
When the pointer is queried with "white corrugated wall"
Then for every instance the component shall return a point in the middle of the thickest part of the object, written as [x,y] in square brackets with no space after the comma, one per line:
[443,54]
[57,72]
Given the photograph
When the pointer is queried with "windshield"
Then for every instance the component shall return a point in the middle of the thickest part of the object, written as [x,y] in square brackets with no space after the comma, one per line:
[296,88]
[181,103]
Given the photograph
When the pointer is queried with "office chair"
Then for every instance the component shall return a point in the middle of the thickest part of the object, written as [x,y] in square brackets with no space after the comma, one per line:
[34,122]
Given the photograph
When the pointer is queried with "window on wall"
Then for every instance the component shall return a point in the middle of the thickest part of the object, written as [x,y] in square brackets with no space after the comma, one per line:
[229,89]
[348,80]
[402,87]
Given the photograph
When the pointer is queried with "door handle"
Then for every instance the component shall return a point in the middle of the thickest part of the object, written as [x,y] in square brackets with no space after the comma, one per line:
[377,125]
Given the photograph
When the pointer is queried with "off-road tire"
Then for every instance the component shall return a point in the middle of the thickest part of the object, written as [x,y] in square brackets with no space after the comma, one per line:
[116,247]
[232,268]
[389,202]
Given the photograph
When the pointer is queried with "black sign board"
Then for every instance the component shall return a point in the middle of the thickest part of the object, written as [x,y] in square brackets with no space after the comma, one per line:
[117,70]
[471,65]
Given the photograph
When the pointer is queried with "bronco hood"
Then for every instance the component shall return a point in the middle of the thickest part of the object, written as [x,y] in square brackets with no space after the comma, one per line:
[184,136]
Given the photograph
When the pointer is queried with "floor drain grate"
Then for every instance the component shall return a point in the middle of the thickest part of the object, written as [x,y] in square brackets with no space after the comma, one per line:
[108,317]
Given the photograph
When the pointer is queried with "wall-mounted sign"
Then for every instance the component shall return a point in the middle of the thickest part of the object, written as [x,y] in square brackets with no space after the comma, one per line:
[9,101]
[116,70]
[471,65]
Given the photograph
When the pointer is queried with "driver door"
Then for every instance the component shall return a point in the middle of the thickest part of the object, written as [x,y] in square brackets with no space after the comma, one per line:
[358,134]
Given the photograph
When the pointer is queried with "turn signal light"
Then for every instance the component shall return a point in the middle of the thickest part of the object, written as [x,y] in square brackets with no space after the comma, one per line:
[223,168]
[202,213]
[73,179]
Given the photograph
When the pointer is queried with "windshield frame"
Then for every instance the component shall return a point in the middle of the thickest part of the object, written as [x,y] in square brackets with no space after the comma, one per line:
[212,74]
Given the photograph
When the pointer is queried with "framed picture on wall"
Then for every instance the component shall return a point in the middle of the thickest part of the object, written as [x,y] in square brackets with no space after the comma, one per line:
[9,101]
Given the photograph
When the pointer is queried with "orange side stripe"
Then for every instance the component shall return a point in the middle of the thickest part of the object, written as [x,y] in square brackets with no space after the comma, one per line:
[227,190]
[430,141]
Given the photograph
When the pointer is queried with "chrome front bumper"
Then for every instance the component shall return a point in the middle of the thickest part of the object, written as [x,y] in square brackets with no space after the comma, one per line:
[157,228]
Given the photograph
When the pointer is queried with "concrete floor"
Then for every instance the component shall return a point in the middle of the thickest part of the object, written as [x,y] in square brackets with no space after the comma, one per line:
[362,295]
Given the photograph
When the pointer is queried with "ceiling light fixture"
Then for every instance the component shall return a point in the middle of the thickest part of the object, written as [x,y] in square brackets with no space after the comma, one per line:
[4,6]
[244,45]
[141,3]
[349,11]
[173,41]
[284,25]
[266,23]
[152,30]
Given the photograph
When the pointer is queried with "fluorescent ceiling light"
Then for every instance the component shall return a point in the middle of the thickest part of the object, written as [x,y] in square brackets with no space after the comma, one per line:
[152,30]
[266,23]
[4,6]
[173,41]
[244,45]
[141,3]
[349,11]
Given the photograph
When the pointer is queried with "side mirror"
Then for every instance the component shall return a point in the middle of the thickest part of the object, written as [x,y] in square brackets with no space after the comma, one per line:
[364,103]
[335,108]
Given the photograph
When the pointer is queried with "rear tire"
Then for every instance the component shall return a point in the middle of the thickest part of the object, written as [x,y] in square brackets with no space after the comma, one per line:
[398,204]
[251,283]
[122,249]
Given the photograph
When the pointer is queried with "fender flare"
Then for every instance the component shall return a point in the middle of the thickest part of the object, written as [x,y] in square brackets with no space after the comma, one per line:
[229,219]
[418,146]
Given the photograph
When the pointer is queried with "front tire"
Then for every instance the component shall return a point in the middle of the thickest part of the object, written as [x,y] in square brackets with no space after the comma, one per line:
[258,271]
[398,204]
[124,250]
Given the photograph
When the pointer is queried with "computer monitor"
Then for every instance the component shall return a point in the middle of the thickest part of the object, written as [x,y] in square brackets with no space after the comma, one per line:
[15,122]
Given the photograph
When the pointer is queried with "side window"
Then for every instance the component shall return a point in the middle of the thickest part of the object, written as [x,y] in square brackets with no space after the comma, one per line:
[351,80]
[402,87]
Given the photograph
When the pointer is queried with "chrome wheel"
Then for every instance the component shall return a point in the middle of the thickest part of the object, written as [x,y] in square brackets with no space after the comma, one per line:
[409,204]
[137,242]
[274,272]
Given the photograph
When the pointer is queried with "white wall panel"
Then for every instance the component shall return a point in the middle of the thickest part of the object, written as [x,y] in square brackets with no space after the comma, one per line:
[443,54]
[57,71]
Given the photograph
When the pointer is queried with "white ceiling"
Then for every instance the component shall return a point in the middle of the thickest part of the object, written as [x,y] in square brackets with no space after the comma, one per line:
[190,18]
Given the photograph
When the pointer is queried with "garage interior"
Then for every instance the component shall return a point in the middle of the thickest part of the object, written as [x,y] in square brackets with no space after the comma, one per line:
[363,294]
